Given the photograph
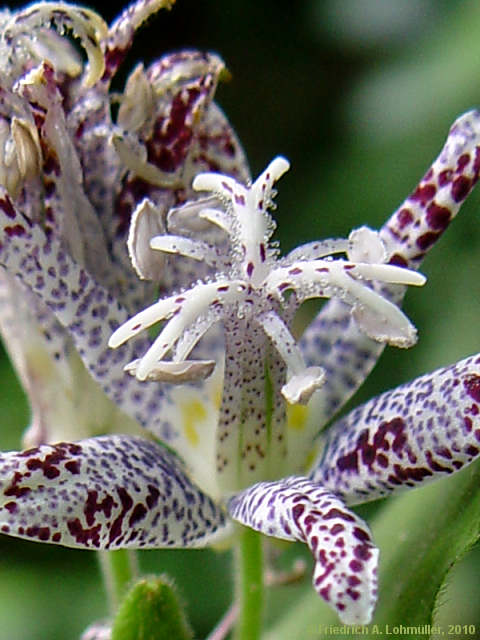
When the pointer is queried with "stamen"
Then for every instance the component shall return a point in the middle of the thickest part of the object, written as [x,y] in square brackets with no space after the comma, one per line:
[304,381]
[316,250]
[175,372]
[20,156]
[142,168]
[282,340]
[146,222]
[379,318]
[194,249]
[220,218]
[387,273]
[365,245]
[195,303]
[325,279]
[188,218]
[144,319]
[137,101]
[192,335]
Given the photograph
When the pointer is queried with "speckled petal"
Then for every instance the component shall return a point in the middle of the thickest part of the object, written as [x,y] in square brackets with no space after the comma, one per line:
[69,213]
[423,430]
[104,493]
[38,349]
[88,312]
[217,147]
[345,559]
[122,31]
[333,340]
[418,223]
[65,401]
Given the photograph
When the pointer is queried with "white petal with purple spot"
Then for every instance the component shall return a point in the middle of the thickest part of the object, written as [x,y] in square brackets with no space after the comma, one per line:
[423,430]
[104,493]
[345,558]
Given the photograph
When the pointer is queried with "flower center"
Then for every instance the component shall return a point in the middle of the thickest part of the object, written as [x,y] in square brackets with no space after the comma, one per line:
[252,282]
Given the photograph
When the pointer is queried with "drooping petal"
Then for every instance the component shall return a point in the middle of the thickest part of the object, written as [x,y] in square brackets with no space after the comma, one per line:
[104,493]
[333,340]
[423,430]
[345,558]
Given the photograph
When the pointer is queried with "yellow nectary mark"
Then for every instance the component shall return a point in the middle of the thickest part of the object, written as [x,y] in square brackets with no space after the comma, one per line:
[193,413]
[296,416]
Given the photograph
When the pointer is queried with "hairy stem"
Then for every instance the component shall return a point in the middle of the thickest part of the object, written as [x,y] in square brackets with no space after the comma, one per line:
[249,575]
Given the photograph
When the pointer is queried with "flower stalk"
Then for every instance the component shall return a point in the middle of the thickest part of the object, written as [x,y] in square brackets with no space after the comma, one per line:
[250,587]
[119,569]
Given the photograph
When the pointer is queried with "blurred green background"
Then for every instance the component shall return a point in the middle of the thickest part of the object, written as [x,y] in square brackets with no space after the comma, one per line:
[359,96]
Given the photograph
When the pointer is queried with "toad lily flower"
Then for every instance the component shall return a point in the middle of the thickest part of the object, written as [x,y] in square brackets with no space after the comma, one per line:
[225,385]
[247,297]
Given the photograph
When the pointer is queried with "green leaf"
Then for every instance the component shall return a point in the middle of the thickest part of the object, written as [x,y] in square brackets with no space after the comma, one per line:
[421,535]
[151,611]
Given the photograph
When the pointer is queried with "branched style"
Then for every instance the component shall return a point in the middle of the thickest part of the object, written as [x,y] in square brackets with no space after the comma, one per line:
[110,226]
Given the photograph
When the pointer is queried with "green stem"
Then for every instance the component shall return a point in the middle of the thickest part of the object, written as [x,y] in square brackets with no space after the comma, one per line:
[249,573]
[118,568]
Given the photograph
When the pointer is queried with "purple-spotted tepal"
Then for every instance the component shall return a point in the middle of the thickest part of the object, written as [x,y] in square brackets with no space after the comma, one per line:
[110,226]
